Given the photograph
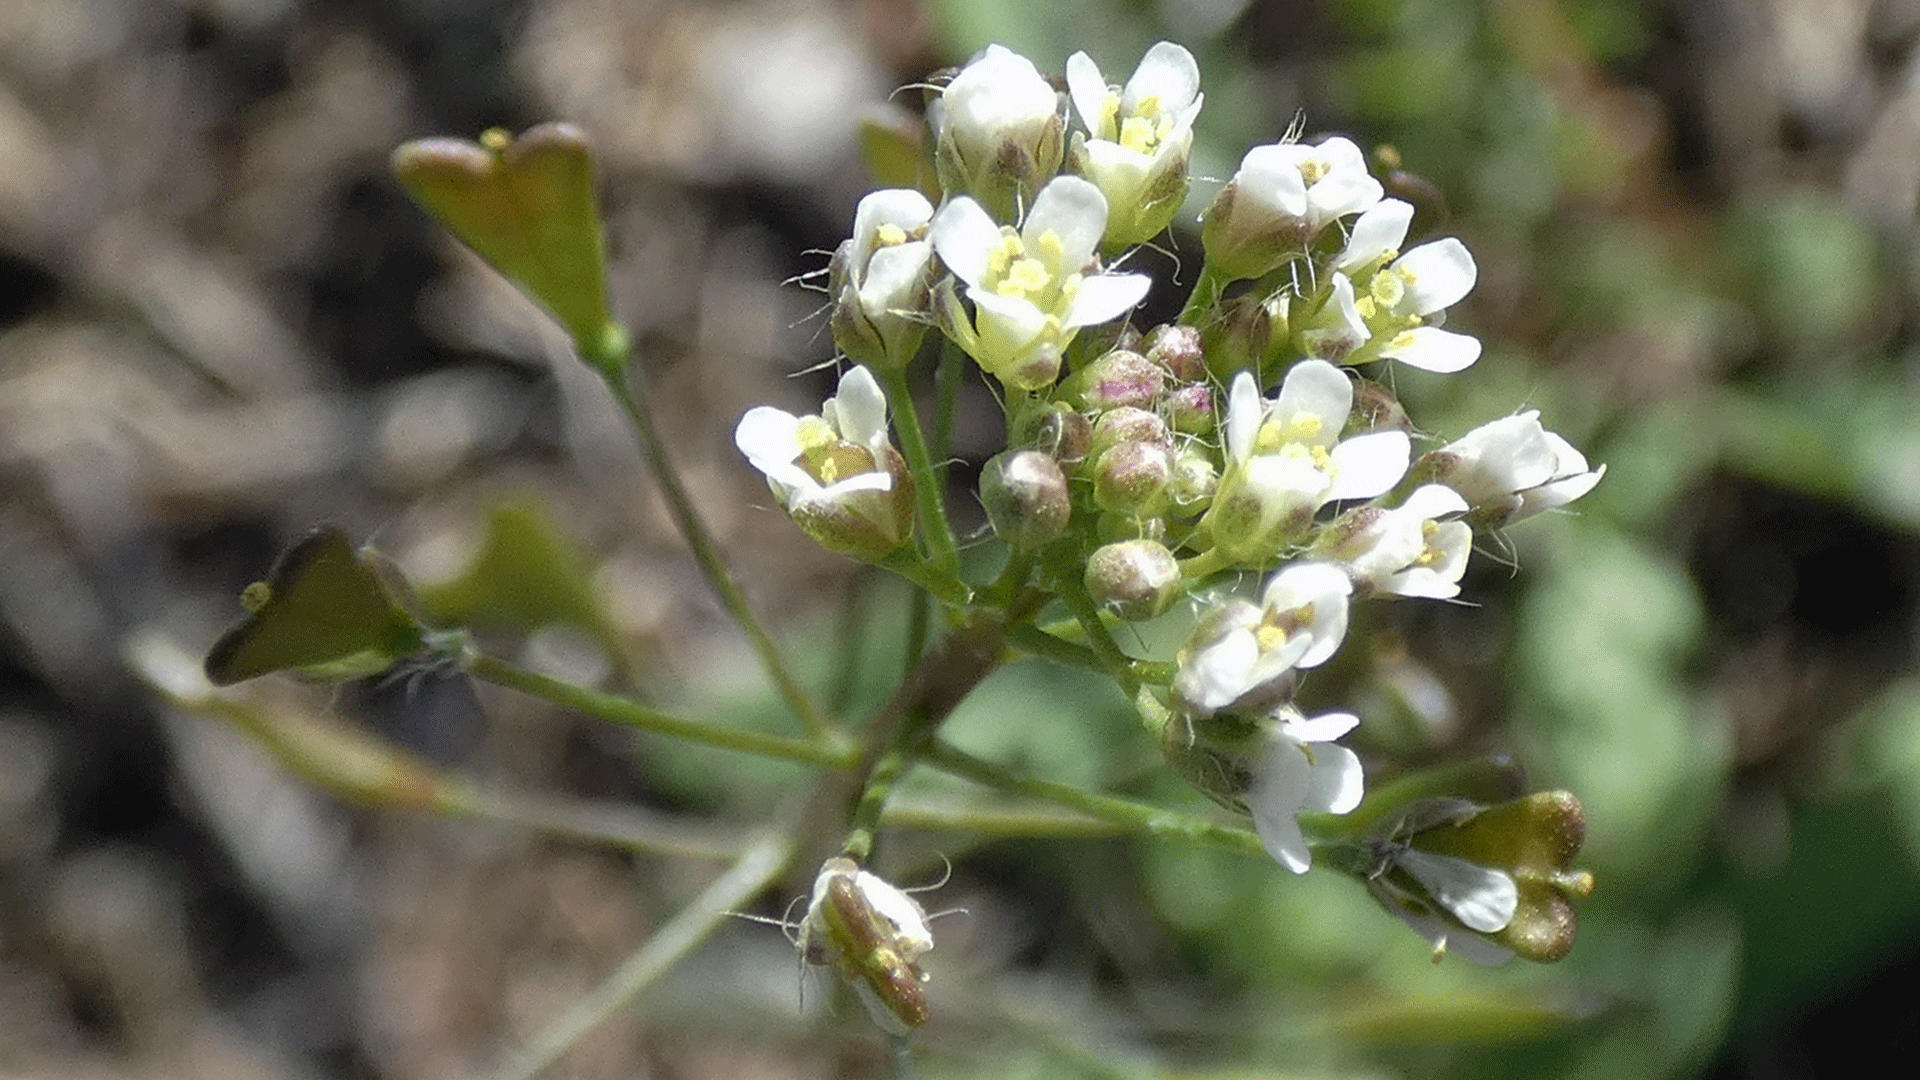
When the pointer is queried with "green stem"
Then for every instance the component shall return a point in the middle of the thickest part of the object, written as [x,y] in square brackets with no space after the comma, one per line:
[609,359]
[1038,642]
[866,813]
[675,939]
[943,550]
[945,587]
[1099,638]
[1138,817]
[1206,293]
[834,754]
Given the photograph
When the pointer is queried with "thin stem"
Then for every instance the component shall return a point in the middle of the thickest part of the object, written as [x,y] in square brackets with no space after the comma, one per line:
[1044,822]
[1099,639]
[943,550]
[610,361]
[1139,817]
[945,587]
[1038,642]
[834,754]
[1206,293]
[675,939]
[946,398]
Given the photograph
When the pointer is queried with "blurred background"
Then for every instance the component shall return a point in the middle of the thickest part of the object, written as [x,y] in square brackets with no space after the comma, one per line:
[221,323]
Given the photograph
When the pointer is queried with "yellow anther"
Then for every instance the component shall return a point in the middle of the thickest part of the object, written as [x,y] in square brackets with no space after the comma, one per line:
[1366,307]
[814,433]
[1322,460]
[1312,169]
[1051,249]
[1305,427]
[888,235]
[1139,135]
[1388,287]
[1270,638]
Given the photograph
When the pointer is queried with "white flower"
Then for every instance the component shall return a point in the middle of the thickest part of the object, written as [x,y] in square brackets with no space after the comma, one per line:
[836,474]
[874,935]
[1299,768]
[1138,137]
[1453,893]
[1402,294]
[996,127]
[1512,468]
[1300,623]
[881,272]
[1405,551]
[1337,329]
[1285,460]
[1030,289]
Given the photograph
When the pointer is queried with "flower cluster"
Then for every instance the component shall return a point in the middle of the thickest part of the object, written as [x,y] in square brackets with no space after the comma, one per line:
[1253,439]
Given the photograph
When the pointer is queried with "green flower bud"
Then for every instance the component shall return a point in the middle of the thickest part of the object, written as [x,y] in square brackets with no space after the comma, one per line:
[1178,349]
[1025,494]
[1135,579]
[1054,429]
[1195,479]
[1134,479]
[1128,425]
[1117,379]
[1375,408]
[1190,409]
[1237,337]
[1491,881]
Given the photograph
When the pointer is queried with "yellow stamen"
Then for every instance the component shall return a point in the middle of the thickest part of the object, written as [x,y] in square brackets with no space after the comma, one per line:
[888,235]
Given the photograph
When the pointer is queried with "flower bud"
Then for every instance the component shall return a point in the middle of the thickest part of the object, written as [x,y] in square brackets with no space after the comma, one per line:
[1128,425]
[1133,479]
[1491,881]
[879,279]
[1190,409]
[1117,379]
[1195,479]
[1135,579]
[1054,429]
[1375,408]
[1025,494]
[873,934]
[1510,469]
[1237,337]
[1177,348]
[998,133]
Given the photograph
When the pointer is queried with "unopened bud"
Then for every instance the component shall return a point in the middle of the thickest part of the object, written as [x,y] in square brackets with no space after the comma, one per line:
[1054,429]
[1025,494]
[1375,408]
[1195,479]
[1135,579]
[1133,479]
[1190,409]
[1237,337]
[1177,348]
[1128,425]
[1119,378]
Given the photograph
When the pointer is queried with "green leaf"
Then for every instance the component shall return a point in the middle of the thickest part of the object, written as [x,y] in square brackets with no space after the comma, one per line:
[325,611]
[526,205]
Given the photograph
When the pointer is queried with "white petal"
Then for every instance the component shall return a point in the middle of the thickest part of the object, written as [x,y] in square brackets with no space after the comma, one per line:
[1378,231]
[1281,780]
[964,235]
[1326,587]
[1482,899]
[902,207]
[1341,154]
[1430,501]
[1316,388]
[893,276]
[1245,411]
[1106,296]
[770,435]
[1338,781]
[1088,89]
[1006,318]
[1341,193]
[1214,677]
[1320,729]
[911,933]
[1370,464]
[1437,275]
[1075,212]
[1430,348]
[1270,176]
[861,409]
[1168,72]
[1000,90]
